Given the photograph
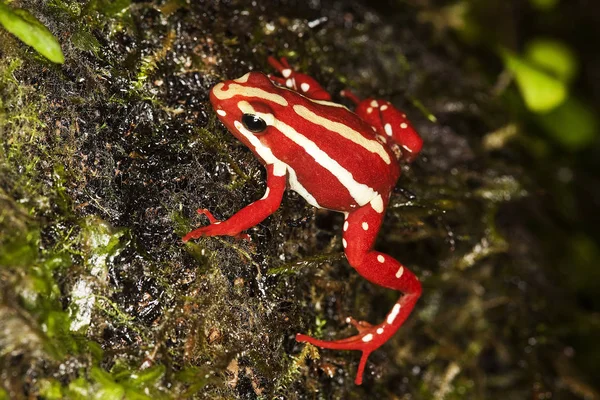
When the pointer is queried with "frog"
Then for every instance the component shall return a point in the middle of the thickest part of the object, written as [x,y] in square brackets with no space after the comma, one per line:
[336,159]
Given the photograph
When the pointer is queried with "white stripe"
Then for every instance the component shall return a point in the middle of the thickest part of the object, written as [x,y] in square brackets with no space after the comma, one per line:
[345,131]
[327,103]
[243,79]
[361,193]
[266,194]
[264,152]
[298,188]
[246,91]
[377,203]
[279,167]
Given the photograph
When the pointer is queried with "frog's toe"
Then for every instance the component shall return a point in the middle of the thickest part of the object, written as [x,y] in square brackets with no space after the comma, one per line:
[361,326]
[364,342]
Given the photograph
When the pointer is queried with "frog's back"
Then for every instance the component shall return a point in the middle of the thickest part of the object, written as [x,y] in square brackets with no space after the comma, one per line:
[333,154]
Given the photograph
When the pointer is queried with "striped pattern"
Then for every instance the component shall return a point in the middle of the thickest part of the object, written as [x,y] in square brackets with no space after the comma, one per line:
[328,143]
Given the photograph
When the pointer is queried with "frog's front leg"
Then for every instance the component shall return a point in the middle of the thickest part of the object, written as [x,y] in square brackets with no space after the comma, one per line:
[250,215]
[360,230]
[297,81]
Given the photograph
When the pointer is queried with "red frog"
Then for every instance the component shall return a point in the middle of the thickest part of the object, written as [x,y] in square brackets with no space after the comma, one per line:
[336,159]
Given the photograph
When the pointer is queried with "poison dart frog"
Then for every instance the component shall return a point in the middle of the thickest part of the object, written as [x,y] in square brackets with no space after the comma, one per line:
[335,159]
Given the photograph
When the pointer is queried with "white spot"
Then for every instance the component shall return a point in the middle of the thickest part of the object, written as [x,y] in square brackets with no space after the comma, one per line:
[304,86]
[393,314]
[222,113]
[344,243]
[369,110]
[279,169]
[368,337]
[383,107]
[246,92]
[403,125]
[266,194]
[406,148]
[345,131]
[218,222]
[348,320]
[399,272]
[374,103]
[379,331]
[381,258]
[403,115]
[365,226]
[345,226]
[289,83]
[388,129]
[286,73]
[377,203]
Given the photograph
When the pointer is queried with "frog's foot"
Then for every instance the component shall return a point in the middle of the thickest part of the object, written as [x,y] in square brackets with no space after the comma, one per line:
[370,338]
[211,230]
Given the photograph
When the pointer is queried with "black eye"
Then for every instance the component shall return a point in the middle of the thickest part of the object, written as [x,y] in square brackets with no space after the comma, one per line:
[253,123]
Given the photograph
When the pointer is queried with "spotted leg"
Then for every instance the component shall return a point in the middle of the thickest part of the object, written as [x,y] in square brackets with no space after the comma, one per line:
[360,230]
[390,123]
[250,215]
[297,81]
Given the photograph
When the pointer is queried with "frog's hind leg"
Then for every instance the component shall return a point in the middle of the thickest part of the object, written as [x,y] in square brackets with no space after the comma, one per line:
[360,230]
[297,81]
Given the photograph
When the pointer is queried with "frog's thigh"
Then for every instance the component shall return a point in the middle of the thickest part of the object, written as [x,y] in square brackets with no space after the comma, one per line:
[360,231]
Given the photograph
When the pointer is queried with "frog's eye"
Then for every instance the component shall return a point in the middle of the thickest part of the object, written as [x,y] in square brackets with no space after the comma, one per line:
[254,123]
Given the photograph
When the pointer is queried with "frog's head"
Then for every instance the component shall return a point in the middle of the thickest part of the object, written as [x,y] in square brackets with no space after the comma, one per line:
[245,106]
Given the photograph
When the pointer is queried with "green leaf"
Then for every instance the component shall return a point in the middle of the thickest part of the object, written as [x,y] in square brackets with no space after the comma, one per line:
[541,91]
[544,5]
[148,376]
[572,124]
[552,56]
[30,30]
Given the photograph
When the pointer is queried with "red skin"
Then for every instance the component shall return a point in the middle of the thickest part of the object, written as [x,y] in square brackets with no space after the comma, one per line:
[320,171]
